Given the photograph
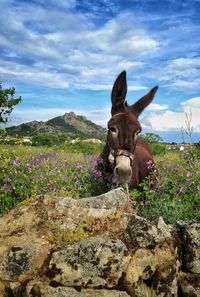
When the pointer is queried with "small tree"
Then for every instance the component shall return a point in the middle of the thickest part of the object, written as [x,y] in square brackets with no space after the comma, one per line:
[7,103]
[152,137]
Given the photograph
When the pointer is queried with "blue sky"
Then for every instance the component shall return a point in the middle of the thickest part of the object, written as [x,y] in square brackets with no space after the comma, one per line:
[64,55]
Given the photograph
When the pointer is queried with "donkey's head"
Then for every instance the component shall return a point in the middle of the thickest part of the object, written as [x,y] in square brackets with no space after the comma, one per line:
[124,128]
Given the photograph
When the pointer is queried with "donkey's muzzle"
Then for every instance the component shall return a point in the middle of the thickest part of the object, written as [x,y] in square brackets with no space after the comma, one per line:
[123,170]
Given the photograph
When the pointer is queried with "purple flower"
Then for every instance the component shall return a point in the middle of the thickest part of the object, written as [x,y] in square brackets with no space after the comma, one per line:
[80,167]
[152,191]
[97,160]
[189,174]
[150,164]
[182,191]
[6,180]
[6,188]
[177,168]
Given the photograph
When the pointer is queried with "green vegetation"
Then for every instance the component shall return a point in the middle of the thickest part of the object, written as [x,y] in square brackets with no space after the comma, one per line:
[7,103]
[68,126]
[152,137]
[30,171]
[47,139]
[86,148]
[158,148]
[172,190]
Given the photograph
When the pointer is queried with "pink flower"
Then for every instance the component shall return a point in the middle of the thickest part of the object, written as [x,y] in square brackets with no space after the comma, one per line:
[182,191]
[189,174]
[152,191]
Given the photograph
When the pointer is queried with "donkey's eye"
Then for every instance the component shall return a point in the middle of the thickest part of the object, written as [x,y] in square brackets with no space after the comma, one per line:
[138,132]
[113,129]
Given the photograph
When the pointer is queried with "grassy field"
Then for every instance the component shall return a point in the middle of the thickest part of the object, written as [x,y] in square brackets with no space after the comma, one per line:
[172,190]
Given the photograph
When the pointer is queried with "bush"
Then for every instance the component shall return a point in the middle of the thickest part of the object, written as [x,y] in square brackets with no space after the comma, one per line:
[158,148]
[27,172]
[174,193]
[47,139]
[86,148]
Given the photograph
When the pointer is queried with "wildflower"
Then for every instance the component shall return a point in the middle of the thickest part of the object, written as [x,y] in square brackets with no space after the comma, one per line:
[189,174]
[150,164]
[14,162]
[6,188]
[97,160]
[6,180]
[151,191]
[177,168]
[80,167]
[182,191]
[114,180]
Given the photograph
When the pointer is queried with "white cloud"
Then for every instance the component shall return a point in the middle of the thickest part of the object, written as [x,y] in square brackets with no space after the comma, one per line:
[156,106]
[121,37]
[66,40]
[40,75]
[172,120]
[193,102]
[156,117]
[181,73]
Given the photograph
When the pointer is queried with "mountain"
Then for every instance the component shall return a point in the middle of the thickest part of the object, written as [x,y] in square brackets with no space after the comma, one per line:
[70,124]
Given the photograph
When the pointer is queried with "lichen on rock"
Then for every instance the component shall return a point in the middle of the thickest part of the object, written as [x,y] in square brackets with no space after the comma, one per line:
[64,247]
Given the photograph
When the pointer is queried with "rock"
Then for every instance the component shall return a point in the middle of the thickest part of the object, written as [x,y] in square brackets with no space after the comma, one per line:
[164,281]
[41,290]
[21,261]
[94,262]
[191,247]
[113,199]
[152,272]
[60,247]
[189,284]
[144,233]
[3,289]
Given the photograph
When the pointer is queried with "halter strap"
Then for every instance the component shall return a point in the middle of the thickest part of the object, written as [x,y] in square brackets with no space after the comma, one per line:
[122,152]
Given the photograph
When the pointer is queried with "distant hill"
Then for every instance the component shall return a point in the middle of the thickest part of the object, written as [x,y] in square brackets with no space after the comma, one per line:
[69,124]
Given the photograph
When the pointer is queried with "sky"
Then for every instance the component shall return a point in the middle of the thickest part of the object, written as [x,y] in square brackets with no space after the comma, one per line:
[64,55]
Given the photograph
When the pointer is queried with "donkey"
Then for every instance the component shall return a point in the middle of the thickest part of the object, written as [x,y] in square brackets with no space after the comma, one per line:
[125,154]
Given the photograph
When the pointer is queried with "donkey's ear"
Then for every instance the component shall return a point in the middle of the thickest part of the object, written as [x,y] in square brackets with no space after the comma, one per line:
[143,102]
[119,93]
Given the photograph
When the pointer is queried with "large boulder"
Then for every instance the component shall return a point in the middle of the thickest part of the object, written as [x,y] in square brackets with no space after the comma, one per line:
[94,262]
[98,247]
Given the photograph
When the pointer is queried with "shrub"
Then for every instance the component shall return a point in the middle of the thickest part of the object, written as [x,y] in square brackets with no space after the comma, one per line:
[28,171]
[86,148]
[158,148]
[47,139]
[174,193]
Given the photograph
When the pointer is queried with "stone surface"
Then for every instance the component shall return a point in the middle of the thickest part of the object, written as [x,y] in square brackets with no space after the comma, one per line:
[113,199]
[153,272]
[20,262]
[143,233]
[94,262]
[3,290]
[191,247]
[189,284]
[53,246]
[41,290]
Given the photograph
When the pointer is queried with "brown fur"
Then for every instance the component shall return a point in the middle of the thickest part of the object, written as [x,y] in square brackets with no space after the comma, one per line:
[123,128]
